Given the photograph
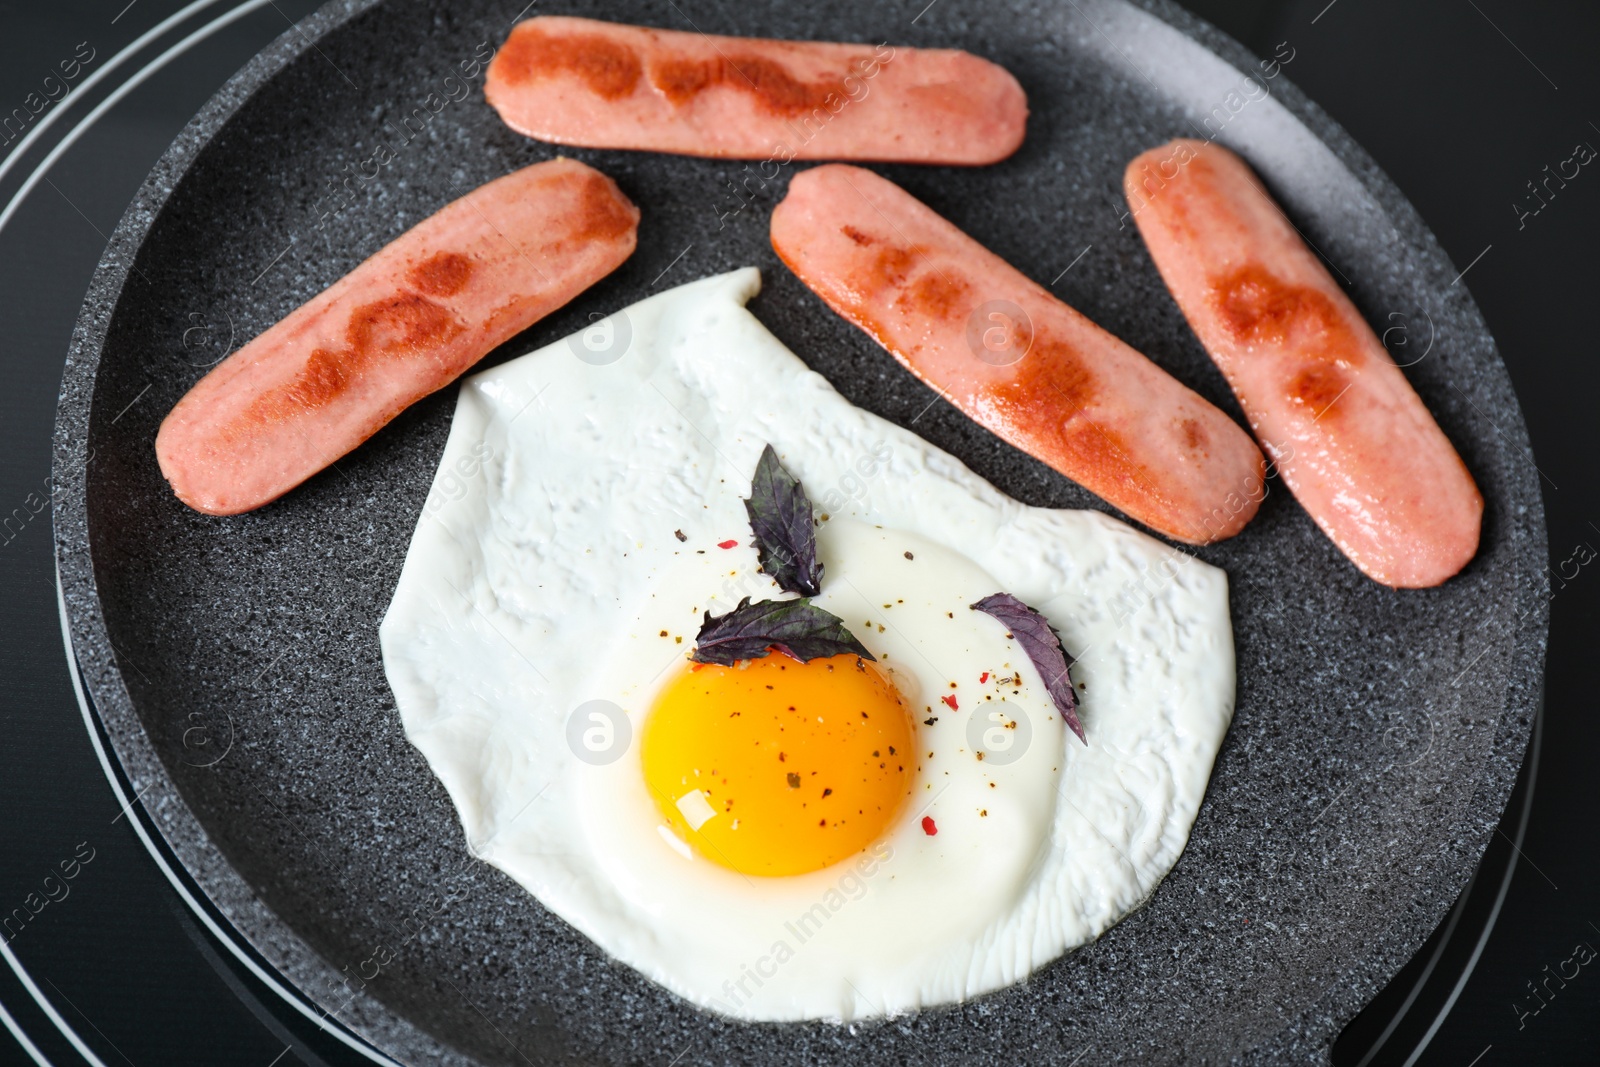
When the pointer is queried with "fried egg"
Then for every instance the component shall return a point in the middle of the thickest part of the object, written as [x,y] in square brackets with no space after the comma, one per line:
[779,840]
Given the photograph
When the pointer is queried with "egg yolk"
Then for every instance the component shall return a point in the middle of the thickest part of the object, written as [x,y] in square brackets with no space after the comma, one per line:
[775,767]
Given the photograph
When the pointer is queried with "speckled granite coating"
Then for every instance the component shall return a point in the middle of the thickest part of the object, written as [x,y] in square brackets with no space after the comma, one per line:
[235,664]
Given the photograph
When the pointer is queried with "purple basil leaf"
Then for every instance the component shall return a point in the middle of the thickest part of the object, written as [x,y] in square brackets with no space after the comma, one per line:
[1043,646]
[796,628]
[786,538]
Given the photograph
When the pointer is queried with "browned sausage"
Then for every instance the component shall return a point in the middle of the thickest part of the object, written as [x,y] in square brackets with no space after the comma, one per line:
[1354,442]
[404,323]
[1016,359]
[606,85]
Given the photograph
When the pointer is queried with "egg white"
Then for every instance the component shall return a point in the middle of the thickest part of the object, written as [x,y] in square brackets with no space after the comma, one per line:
[548,562]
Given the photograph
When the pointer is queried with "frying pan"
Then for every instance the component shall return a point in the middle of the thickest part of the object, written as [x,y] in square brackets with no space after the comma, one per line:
[233,664]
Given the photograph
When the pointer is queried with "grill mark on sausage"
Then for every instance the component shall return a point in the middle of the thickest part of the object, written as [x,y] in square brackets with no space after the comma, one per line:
[441,274]
[1046,400]
[939,294]
[856,235]
[395,326]
[769,82]
[891,266]
[1318,386]
[405,321]
[1052,377]
[611,70]
[1256,308]
[604,215]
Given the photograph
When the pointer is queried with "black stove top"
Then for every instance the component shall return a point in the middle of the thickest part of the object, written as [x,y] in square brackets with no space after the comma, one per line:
[111,957]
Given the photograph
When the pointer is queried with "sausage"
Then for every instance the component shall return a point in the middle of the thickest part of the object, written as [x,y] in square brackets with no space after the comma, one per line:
[1354,442]
[404,323]
[605,85]
[1013,357]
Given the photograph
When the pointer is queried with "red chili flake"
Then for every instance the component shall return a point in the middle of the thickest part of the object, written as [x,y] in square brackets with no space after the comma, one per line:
[727,544]
[928,827]
[951,700]
[984,677]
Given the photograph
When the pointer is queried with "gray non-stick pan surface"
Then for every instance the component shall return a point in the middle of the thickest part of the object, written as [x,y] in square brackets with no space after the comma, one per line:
[234,662]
